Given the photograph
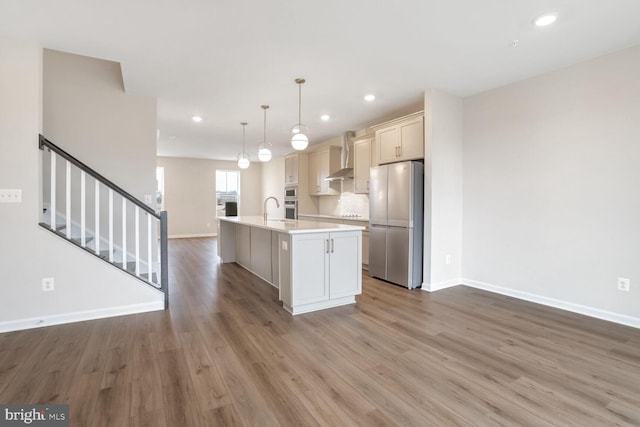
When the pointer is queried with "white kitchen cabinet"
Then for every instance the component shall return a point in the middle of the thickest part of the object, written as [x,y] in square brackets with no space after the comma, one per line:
[400,139]
[291,169]
[326,266]
[321,165]
[361,164]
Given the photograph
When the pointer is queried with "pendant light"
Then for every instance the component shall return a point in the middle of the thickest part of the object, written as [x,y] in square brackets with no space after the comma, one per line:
[299,133]
[243,157]
[264,149]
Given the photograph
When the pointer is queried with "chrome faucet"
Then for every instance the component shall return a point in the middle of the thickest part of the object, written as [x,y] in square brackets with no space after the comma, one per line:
[265,205]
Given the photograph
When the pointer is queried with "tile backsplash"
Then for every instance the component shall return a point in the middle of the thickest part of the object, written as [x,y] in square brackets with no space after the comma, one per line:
[347,203]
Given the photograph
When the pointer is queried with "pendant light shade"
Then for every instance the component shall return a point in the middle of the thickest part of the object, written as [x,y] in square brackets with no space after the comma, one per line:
[243,157]
[264,149]
[299,132]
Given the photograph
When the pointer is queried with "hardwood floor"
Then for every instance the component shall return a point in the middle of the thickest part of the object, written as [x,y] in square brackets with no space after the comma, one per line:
[226,353]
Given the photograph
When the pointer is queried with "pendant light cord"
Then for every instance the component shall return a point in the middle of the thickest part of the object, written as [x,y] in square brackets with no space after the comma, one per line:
[299,103]
[244,126]
[264,134]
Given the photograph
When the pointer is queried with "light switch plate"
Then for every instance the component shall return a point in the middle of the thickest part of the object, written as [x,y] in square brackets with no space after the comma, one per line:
[147,199]
[285,246]
[10,196]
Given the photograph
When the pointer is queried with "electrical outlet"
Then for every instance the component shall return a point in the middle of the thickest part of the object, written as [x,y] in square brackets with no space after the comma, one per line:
[48,284]
[10,196]
[624,284]
[448,259]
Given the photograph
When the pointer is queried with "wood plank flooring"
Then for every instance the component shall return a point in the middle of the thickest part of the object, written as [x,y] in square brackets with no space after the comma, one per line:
[226,353]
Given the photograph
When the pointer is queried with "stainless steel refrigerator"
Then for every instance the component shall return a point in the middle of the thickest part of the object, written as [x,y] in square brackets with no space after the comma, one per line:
[396,215]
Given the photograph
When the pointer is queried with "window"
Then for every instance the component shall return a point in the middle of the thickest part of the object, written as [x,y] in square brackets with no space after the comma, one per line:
[227,192]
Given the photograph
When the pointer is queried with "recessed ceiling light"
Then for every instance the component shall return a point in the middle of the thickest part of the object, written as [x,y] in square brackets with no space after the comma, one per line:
[544,20]
[325,117]
[196,119]
[369,97]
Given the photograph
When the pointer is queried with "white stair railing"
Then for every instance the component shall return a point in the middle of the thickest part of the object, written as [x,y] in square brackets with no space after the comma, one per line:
[84,209]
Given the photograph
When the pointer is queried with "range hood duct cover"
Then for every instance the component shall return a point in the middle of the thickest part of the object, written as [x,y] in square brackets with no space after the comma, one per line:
[344,172]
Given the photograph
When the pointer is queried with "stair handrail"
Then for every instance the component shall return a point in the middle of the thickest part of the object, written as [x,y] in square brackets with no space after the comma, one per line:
[44,142]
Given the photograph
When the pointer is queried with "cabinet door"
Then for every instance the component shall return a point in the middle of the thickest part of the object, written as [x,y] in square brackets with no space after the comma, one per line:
[310,268]
[314,184]
[411,139]
[345,277]
[387,140]
[291,169]
[361,166]
[323,171]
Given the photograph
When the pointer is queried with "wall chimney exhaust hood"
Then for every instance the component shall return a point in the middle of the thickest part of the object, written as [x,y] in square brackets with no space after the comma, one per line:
[344,172]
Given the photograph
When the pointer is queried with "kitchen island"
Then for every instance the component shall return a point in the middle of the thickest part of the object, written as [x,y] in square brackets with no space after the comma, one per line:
[314,265]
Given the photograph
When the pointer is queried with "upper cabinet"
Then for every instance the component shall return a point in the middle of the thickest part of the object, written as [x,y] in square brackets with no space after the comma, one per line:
[400,139]
[321,165]
[362,162]
[291,169]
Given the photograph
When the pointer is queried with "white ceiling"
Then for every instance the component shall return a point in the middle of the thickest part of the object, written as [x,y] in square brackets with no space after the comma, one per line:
[222,59]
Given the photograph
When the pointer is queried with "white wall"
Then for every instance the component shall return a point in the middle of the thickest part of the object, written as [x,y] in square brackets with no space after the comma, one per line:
[190,193]
[551,174]
[273,185]
[85,286]
[443,190]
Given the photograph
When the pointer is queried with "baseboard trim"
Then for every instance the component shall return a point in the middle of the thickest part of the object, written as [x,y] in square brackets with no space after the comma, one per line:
[622,319]
[191,236]
[432,287]
[80,316]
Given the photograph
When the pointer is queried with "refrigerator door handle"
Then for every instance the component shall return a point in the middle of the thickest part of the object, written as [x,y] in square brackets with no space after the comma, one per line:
[331,245]
[326,245]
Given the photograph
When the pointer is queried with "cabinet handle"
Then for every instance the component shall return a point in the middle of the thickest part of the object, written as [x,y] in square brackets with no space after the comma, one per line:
[331,245]
[327,245]
[400,151]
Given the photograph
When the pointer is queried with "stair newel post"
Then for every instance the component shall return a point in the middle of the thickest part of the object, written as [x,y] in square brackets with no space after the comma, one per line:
[124,233]
[97,217]
[137,239]
[110,225]
[67,210]
[164,258]
[52,184]
[83,209]
[149,251]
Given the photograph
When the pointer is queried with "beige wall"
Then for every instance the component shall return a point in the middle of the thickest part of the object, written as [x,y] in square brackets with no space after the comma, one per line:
[87,113]
[85,286]
[273,185]
[190,193]
[443,190]
[551,200]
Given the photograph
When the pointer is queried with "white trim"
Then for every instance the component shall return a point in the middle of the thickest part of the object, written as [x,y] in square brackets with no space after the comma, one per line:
[189,236]
[432,287]
[321,305]
[80,316]
[552,302]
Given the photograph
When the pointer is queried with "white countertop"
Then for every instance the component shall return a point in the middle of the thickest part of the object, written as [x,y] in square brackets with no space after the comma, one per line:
[290,226]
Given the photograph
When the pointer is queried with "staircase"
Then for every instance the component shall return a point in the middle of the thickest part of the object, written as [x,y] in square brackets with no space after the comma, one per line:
[91,212]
